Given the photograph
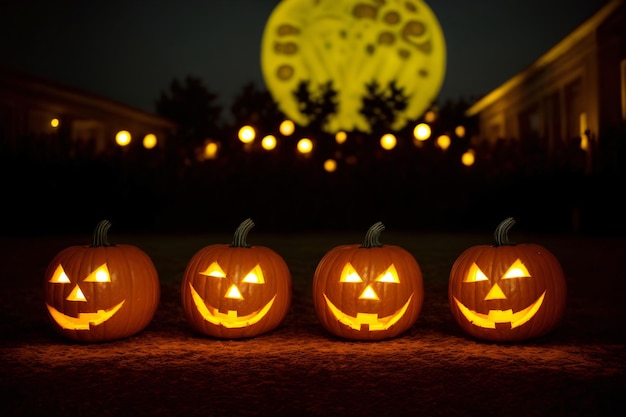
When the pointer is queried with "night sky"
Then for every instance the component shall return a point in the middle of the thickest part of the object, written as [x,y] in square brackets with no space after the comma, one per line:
[129,51]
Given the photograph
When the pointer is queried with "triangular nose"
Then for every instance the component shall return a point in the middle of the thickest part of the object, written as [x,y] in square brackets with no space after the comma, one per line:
[495,293]
[369,294]
[76,295]
[233,292]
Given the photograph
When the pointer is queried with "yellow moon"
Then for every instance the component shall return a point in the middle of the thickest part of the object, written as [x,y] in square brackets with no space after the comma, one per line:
[352,43]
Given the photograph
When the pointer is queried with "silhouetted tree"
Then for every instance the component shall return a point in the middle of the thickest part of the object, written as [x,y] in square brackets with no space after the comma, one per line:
[192,106]
[316,106]
[452,114]
[257,107]
[380,107]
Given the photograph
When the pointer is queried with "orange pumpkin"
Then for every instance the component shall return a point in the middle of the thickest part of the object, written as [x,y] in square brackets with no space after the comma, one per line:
[237,290]
[507,292]
[101,292]
[369,291]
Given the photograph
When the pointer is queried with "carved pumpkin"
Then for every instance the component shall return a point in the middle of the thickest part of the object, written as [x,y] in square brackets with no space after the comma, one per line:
[369,291]
[507,292]
[101,292]
[237,290]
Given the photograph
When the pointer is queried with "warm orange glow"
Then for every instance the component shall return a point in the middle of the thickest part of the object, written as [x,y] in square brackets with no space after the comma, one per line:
[468,158]
[234,293]
[459,131]
[349,276]
[269,142]
[330,165]
[490,320]
[443,142]
[123,137]
[369,294]
[84,321]
[584,138]
[286,128]
[149,141]
[430,116]
[584,143]
[229,319]
[305,145]
[388,141]
[210,150]
[421,131]
[247,134]
[352,160]
[373,322]
[54,122]
[341,137]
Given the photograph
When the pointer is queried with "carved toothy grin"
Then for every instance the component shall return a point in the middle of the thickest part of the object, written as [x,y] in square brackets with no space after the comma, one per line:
[229,320]
[84,320]
[489,320]
[367,319]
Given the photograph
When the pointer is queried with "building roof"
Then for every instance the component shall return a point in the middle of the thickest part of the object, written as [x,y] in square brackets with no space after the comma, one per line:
[582,31]
[29,85]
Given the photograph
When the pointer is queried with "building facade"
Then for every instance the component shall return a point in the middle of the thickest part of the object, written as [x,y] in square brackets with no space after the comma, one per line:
[576,91]
[33,108]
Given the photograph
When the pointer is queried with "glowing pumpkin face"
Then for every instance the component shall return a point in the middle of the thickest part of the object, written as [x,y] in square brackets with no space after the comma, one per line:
[507,292]
[369,291]
[101,292]
[350,44]
[236,291]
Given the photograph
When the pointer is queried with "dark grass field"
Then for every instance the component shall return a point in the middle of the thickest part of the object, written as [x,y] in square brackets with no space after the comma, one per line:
[433,369]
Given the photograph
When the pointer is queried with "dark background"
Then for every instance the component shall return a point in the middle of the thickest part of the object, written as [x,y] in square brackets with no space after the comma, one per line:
[129,51]
[133,52]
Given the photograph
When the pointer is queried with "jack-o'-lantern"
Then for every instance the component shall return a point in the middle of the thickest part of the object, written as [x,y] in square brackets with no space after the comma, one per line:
[368,291]
[507,292]
[237,290]
[351,44]
[101,292]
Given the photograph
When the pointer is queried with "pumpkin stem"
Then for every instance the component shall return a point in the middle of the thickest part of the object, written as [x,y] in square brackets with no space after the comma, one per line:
[239,239]
[100,237]
[372,237]
[502,232]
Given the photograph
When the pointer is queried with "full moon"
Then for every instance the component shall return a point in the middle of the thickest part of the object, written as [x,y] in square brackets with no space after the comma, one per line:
[350,44]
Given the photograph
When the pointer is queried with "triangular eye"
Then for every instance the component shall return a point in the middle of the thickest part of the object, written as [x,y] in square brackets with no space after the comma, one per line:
[255,276]
[390,275]
[517,270]
[59,276]
[476,274]
[214,270]
[349,274]
[101,274]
